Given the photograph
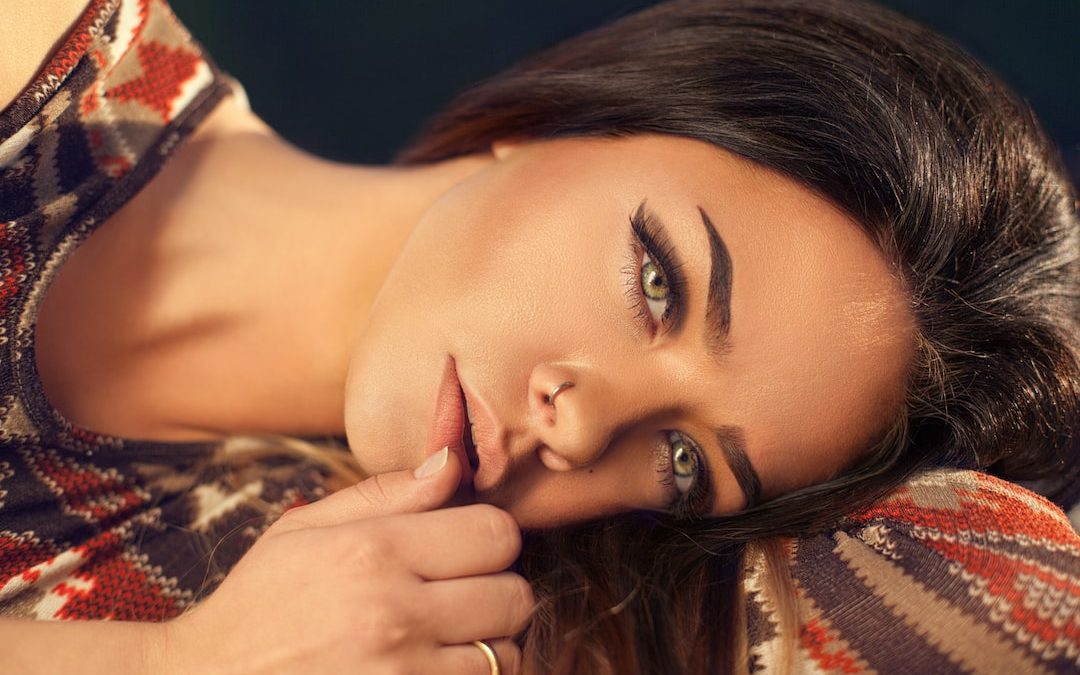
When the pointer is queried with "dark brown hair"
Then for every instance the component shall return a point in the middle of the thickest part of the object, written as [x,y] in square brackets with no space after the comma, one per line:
[944,168]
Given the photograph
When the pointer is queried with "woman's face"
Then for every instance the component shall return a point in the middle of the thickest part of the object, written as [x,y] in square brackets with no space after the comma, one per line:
[720,324]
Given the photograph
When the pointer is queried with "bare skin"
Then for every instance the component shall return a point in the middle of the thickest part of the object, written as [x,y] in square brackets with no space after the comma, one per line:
[286,243]
[358,625]
[30,30]
[166,268]
[264,290]
[528,275]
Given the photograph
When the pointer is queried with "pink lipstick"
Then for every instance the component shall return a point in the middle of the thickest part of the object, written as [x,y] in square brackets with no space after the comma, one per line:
[449,426]
[485,441]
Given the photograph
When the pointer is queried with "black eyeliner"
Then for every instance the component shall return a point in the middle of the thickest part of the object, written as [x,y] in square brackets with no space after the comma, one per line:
[652,237]
[701,496]
[695,504]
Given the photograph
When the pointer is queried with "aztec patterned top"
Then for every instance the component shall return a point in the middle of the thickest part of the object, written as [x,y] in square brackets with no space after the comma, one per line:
[93,526]
[954,572]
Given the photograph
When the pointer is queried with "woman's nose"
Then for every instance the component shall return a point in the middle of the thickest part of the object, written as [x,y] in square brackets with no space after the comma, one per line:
[572,421]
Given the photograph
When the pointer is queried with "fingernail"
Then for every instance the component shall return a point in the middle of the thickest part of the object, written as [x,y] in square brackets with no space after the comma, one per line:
[433,464]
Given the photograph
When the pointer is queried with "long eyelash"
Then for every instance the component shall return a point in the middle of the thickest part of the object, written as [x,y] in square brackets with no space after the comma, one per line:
[648,238]
[694,504]
[634,298]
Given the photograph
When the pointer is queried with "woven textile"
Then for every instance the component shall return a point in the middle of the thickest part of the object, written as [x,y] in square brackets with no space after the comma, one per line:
[956,572]
[93,526]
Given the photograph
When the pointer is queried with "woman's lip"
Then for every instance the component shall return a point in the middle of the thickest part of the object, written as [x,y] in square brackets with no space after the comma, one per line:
[485,434]
[448,425]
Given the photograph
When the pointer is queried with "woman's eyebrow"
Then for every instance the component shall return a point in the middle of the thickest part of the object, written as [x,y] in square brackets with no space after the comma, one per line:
[717,326]
[718,307]
[732,442]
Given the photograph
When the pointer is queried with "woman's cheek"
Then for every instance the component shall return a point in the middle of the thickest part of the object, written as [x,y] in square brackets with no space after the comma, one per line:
[563,498]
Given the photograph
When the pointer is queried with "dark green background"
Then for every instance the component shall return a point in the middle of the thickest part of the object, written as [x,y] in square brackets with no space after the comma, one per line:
[353,80]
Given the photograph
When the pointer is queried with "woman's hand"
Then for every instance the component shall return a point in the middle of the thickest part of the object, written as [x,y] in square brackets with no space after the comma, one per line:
[369,580]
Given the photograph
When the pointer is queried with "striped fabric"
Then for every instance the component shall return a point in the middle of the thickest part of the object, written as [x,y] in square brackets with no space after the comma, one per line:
[955,572]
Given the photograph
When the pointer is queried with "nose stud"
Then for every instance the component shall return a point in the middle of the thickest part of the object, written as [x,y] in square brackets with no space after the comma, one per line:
[550,398]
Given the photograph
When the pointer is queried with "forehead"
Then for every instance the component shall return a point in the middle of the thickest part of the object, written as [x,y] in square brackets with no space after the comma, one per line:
[821,332]
[820,355]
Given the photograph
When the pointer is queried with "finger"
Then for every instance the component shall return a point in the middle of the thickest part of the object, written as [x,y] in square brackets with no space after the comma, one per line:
[498,604]
[451,543]
[384,494]
[468,659]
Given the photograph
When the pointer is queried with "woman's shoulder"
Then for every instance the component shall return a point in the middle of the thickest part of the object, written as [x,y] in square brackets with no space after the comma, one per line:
[955,571]
[29,31]
[120,93]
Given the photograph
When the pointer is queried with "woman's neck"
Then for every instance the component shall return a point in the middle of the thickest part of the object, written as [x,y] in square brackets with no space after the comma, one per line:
[241,276]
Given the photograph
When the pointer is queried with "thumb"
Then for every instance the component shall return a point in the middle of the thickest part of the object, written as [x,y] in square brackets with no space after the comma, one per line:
[429,486]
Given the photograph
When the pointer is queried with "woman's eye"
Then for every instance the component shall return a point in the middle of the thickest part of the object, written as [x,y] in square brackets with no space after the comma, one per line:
[684,462]
[655,288]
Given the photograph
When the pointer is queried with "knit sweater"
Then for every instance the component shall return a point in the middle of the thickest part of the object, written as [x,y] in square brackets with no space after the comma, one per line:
[91,525]
[954,572]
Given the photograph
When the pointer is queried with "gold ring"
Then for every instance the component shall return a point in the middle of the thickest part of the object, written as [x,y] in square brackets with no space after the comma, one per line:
[493,661]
